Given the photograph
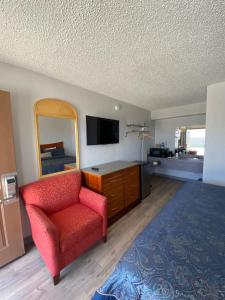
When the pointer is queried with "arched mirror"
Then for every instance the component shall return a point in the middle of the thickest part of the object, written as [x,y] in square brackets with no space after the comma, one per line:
[56,136]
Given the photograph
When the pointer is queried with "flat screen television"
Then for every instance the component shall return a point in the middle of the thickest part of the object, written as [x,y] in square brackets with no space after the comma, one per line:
[101,131]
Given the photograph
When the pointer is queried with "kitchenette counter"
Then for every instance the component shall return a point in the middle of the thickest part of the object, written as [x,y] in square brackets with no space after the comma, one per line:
[183,167]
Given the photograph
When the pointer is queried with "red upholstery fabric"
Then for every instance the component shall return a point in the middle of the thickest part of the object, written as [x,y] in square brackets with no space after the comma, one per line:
[75,223]
[77,251]
[65,218]
[46,238]
[97,203]
[54,193]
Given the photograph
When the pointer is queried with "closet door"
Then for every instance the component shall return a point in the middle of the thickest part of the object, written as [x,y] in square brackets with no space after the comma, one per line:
[11,239]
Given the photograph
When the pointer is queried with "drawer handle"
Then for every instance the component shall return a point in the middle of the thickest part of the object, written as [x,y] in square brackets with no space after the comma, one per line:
[114,209]
[133,185]
[115,196]
[114,180]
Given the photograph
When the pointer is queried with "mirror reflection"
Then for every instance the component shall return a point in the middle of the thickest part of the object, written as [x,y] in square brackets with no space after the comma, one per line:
[190,140]
[57,144]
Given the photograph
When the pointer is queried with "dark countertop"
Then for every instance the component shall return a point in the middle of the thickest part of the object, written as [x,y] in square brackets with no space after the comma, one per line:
[110,167]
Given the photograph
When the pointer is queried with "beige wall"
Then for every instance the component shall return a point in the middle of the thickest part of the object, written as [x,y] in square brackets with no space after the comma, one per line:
[26,87]
[179,111]
[214,163]
[165,128]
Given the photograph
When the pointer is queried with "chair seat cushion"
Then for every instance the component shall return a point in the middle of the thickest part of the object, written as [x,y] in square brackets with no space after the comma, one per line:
[75,223]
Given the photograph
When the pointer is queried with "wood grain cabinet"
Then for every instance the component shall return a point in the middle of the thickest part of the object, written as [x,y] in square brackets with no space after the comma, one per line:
[11,237]
[121,187]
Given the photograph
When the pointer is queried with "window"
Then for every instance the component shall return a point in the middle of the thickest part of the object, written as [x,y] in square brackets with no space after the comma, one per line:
[195,140]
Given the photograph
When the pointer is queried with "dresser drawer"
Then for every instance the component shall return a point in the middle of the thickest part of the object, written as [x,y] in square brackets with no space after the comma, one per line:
[115,199]
[115,205]
[131,185]
[112,180]
[131,175]
[132,194]
[113,192]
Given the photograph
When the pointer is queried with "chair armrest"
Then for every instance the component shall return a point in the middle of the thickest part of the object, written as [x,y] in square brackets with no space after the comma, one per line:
[96,202]
[45,235]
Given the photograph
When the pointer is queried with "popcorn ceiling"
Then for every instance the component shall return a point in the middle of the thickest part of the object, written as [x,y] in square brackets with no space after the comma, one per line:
[150,53]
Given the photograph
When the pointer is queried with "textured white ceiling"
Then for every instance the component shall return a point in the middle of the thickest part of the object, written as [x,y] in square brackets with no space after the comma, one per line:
[150,53]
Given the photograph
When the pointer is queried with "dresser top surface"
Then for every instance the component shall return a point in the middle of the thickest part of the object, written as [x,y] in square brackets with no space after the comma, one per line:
[107,168]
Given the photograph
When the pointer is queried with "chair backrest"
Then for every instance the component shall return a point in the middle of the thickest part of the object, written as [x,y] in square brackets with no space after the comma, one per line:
[53,193]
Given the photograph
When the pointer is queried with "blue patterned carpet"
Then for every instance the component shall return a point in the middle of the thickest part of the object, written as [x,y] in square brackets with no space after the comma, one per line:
[179,255]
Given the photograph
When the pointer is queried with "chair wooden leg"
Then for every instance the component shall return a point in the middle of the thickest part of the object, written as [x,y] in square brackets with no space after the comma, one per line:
[56,279]
[104,239]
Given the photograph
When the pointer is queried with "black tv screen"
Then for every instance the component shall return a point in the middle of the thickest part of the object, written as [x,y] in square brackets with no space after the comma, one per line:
[102,131]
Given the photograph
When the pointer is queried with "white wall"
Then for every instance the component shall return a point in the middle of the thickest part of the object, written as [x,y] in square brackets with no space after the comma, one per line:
[179,111]
[214,164]
[27,87]
[165,128]
[53,130]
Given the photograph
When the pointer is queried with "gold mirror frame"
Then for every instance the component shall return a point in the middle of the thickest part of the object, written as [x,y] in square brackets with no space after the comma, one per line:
[55,108]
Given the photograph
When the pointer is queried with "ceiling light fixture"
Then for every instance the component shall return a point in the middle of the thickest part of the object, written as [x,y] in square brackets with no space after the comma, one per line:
[117,107]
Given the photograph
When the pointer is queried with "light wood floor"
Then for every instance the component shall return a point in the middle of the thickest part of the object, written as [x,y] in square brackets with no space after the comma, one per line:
[28,278]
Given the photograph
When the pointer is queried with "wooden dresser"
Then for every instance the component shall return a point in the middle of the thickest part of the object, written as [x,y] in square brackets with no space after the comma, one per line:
[119,182]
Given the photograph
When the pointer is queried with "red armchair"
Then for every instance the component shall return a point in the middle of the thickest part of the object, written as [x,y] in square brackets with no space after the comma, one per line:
[66,219]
